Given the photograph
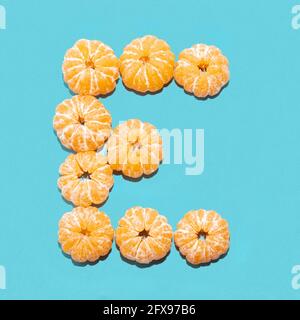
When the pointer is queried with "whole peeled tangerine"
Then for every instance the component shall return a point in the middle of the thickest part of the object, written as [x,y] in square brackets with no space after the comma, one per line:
[86,178]
[82,123]
[202,70]
[86,234]
[147,64]
[202,236]
[143,235]
[135,148]
[90,67]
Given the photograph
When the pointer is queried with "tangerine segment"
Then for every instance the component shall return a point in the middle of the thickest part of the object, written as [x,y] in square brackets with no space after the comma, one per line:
[90,67]
[86,178]
[147,64]
[82,123]
[135,148]
[143,235]
[202,70]
[197,224]
[86,234]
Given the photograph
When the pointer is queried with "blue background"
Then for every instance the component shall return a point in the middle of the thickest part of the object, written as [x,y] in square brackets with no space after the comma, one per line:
[252,152]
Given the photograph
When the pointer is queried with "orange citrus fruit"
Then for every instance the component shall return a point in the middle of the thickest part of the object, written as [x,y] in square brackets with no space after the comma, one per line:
[147,64]
[135,148]
[86,178]
[202,236]
[202,70]
[82,123]
[143,235]
[86,234]
[90,67]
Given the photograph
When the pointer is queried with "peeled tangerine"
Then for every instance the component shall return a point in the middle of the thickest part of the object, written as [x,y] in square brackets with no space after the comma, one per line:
[86,178]
[146,64]
[86,234]
[82,123]
[135,148]
[202,70]
[202,236]
[143,235]
[90,67]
